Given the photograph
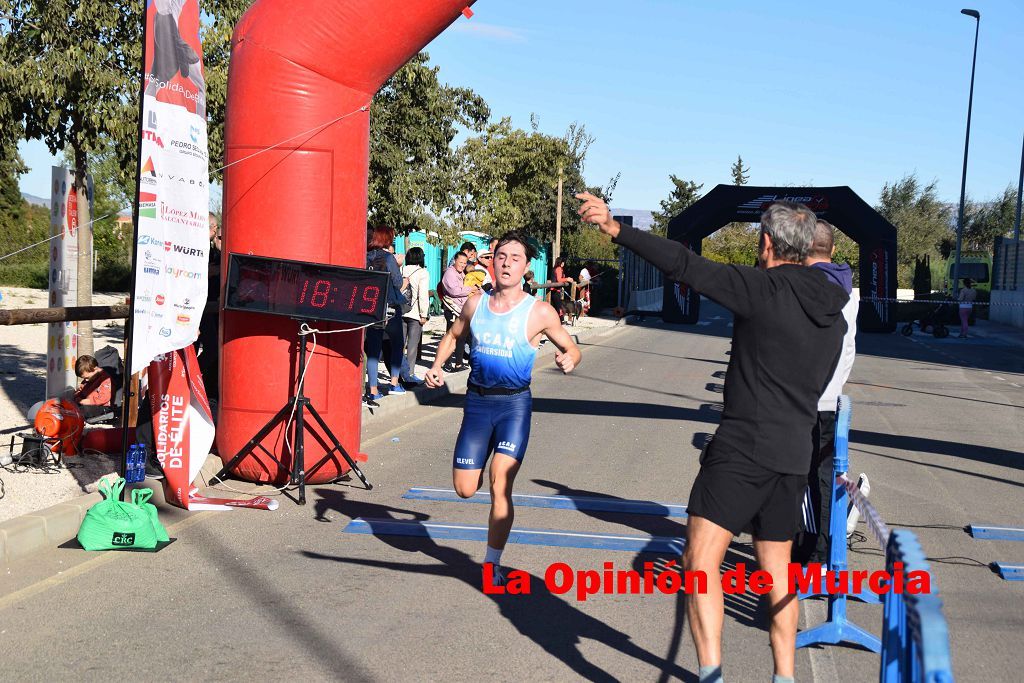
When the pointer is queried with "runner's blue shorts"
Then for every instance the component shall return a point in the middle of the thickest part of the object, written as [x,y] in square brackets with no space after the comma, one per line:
[493,423]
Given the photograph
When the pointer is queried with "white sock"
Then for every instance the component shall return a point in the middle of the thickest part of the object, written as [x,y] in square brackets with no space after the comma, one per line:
[493,556]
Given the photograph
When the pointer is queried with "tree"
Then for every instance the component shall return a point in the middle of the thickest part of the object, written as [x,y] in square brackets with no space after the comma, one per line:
[507,178]
[413,121]
[736,242]
[922,221]
[740,174]
[684,194]
[989,220]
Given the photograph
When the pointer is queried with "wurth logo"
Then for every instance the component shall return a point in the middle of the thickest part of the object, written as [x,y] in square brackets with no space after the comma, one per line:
[188,251]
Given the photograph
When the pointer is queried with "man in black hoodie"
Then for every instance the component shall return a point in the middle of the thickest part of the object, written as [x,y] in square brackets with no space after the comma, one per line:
[787,334]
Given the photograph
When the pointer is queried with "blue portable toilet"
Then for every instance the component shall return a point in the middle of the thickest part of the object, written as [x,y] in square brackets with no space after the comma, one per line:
[540,265]
[479,239]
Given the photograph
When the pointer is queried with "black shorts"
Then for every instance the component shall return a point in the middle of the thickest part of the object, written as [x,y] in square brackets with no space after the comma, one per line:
[739,495]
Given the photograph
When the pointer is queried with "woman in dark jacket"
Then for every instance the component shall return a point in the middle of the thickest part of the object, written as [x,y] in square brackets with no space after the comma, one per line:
[380,240]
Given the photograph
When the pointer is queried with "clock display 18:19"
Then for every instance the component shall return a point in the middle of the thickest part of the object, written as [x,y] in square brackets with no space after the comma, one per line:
[349,297]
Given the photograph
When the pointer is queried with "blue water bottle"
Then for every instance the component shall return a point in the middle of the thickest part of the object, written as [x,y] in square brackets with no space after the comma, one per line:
[129,471]
[142,454]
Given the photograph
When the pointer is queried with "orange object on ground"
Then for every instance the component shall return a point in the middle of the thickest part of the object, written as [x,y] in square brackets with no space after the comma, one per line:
[60,422]
[105,440]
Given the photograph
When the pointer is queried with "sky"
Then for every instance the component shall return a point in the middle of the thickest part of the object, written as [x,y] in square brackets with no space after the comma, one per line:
[855,93]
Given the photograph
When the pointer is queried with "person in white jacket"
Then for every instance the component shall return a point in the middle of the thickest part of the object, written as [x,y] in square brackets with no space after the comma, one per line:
[811,544]
[415,273]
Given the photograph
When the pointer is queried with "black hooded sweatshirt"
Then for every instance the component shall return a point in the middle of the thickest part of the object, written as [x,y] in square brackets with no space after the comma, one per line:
[787,334]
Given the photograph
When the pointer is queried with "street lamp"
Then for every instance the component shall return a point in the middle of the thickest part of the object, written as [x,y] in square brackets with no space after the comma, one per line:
[967,143]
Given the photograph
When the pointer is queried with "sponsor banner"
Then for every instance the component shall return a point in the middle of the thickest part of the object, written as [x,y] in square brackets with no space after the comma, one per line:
[880,281]
[172,250]
[682,292]
[62,338]
[818,203]
[182,423]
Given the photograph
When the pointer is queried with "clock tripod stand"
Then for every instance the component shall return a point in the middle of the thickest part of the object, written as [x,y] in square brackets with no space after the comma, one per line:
[297,405]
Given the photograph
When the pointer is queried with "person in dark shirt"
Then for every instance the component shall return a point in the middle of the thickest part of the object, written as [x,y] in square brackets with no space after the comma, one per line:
[787,335]
[207,344]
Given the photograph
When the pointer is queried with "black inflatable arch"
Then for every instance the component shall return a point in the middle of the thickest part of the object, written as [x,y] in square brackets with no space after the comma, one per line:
[840,206]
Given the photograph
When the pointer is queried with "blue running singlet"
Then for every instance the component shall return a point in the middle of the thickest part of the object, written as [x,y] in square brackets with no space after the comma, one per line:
[502,357]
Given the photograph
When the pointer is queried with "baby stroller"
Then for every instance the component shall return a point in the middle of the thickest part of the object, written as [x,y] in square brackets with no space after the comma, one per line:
[930,320]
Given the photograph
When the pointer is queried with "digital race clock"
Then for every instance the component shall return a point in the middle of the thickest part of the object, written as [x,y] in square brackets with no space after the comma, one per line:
[308,291]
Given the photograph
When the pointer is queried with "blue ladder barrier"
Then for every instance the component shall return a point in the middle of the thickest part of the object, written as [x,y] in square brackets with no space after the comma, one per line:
[915,637]
[995,533]
[1009,572]
[837,628]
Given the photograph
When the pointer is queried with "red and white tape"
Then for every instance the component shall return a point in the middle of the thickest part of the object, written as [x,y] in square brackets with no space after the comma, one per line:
[879,529]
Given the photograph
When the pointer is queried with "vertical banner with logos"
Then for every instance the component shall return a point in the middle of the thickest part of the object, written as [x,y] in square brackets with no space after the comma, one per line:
[62,338]
[174,196]
[172,245]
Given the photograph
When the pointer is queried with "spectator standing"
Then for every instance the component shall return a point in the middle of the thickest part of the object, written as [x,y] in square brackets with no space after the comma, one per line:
[455,295]
[418,294]
[968,295]
[811,544]
[588,273]
[207,344]
[378,257]
[558,293]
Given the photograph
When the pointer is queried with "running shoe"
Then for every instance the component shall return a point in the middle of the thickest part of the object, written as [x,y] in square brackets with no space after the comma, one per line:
[397,389]
[498,578]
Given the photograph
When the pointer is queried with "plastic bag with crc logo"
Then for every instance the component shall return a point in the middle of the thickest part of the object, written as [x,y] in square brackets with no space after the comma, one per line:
[113,525]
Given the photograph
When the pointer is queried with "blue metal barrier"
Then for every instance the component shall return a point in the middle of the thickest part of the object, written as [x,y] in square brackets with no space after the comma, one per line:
[837,628]
[915,638]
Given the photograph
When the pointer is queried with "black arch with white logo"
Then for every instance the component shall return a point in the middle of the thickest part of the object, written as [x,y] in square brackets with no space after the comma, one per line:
[840,206]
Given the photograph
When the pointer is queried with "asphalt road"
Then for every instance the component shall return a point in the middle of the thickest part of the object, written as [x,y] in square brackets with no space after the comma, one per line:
[260,595]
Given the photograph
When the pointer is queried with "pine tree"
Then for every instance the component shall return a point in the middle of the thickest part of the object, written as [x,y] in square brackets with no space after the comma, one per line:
[684,193]
[740,175]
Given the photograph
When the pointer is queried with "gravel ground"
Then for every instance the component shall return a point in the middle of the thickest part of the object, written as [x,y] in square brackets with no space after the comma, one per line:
[26,489]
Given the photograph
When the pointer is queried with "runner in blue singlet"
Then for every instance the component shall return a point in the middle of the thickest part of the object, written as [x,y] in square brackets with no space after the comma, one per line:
[506,325]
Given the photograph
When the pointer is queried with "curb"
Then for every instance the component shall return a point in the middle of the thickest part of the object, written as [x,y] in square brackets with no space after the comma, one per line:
[50,527]
[455,385]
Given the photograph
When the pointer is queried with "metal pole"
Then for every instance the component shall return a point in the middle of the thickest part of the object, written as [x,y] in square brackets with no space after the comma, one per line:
[1020,195]
[558,218]
[1016,222]
[967,144]
[129,326]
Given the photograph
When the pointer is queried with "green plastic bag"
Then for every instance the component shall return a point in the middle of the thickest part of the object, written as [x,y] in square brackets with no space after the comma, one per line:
[113,525]
[140,497]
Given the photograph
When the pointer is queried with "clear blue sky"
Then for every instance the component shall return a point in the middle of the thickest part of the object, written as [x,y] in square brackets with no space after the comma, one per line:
[857,93]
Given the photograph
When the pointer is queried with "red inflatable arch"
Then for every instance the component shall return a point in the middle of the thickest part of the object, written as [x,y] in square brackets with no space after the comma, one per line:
[296,65]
